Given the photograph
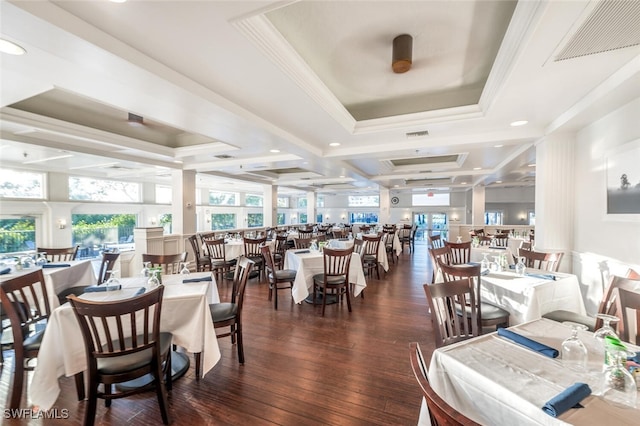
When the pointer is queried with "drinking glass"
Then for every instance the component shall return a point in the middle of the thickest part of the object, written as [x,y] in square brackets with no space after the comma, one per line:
[41,259]
[606,329]
[153,281]
[459,239]
[145,270]
[574,352]
[113,279]
[485,264]
[496,265]
[184,268]
[618,384]
[520,266]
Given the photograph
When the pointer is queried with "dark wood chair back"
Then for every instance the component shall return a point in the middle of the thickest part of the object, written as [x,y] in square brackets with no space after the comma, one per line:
[370,259]
[539,260]
[335,276]
[116,335]
[629,301]
[436,241]
[442,254]
[305,234]
[609,305]
[170,263]
[302,243]
[59,254]
[106,266]
[448,303]
[500,240]
[203,262]
[440,413]
[460,252]
[24,300]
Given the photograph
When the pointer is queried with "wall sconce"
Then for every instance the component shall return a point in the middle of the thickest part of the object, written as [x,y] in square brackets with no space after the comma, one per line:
[62,223]
[153,220]
[343,217]
[522,218]
[406,218]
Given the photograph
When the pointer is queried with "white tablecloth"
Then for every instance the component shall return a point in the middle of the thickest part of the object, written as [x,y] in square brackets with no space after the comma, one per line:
[528,298]
[235,248]
[477,254]
[309,264]
[382,251]
[79,273]
[497,382]
[185,313]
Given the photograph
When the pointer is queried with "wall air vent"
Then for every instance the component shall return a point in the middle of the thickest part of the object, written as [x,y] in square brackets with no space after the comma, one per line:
[418,134]
[223,156]
[428,182]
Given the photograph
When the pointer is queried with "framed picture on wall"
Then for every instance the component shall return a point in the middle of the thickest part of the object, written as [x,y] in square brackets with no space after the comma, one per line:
[623,180]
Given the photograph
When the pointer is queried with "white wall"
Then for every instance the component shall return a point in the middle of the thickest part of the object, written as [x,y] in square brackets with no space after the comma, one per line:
[603,244]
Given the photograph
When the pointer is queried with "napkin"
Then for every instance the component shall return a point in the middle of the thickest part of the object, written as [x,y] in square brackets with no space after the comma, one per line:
[568,398]
[56,265]
[529,343]
[96,288]
[543,276]
[196,280]
[140,291]
[5,271]
[303,251]
[497,248]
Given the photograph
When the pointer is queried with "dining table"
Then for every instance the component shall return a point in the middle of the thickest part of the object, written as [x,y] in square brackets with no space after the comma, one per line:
[234,248]
[382,250]
[478,253]
[495,381]
[59,276]
[308,263]
[185,313]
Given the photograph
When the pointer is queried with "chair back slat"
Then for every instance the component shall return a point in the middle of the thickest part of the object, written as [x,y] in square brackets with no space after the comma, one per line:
[460,252]
[629,306]
[216,248]
[106,266]
[59,254]
[545,261]
[170,263]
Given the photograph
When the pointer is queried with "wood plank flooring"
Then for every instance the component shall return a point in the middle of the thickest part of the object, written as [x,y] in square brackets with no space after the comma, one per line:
[300,368]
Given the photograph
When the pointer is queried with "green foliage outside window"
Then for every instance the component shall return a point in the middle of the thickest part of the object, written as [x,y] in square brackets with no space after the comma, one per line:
[255,220]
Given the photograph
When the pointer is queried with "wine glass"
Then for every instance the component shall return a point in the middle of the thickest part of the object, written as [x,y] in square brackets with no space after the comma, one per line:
[184,268]
[153,280]
[145,270]
[618,385]
[485,263]
[496,265]
[113,280]
[41,259]
[574,352]
[606,329]
[520,266]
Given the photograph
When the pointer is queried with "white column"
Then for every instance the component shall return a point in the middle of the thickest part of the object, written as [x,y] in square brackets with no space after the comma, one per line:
[385,206]
[477,206]
[311,207]
[555,193]
[183,207]
[270,205]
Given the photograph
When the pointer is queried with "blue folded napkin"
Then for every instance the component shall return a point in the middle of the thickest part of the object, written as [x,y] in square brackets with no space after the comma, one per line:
[140,291]
[303,251]
[568,398]
[196,280]
[5,271]
[529,343]
[56,265]
[97,288]
[543,276]
[635,358]
[497,248]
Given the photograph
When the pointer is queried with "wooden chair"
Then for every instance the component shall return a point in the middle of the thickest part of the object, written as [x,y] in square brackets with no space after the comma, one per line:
[370,259]
[489,315]
[460,252]
[340,233]
[123,342]
[306,234]
[229,314]
[501,240]
[170,263]
[59,254]
[389,235]
[277,277]
[440,413]
[25,303]
[335,277]
[436,241]
[252,252]
[203,261]
[544,261]
[442,254]
[280,250]
[629,331]
[608,305]
[408,237]
[302,243]
[483,240]
[448,303]
[220,265]
[106,267]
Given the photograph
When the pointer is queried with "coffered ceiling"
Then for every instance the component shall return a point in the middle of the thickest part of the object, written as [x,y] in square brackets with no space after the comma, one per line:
[301,94]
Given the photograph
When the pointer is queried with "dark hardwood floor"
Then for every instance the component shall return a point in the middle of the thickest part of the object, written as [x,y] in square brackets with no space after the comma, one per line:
[301,368]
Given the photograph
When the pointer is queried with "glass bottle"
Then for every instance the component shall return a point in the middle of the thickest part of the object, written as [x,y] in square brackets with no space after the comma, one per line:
[145,270]
[520,266]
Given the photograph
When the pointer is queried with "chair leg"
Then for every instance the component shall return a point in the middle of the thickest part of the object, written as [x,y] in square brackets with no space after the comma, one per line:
[79,379]
[168,377]
[107,392]
[275,300]
[92,402]
[161,392]
[324,299]
[240,347]
[18,381]
[198,360]
[348,298]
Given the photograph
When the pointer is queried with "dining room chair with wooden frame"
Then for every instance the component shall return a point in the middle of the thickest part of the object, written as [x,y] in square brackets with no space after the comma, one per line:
[370,260]
[335,278]
[448,303]
[65,254]
[123,342]
[302,243]
[442,254]
[490,316]
[203,261]
[277,277]
[500,240]
[460,252]
[25,303]
[305,234]
[544,261]
[106,268]
[436,241]
[252,252]
[170,263]
[627,301]
[220,265]
[389,234]
[280,250]
[440,412]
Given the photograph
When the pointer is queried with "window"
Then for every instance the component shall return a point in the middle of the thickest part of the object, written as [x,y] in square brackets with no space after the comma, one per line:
[280,219]
[430,199]
[91,189]
[16,184]
[223,221]
[95,232]
[320,201]
[363,217]
[319,218]
[283,202]
[253,200]
[532,218]
[17,234]
[164,194]
[255,220]
[493,218]
[303,216]
[364,200]
[166,223]
[222,198]
[302,203]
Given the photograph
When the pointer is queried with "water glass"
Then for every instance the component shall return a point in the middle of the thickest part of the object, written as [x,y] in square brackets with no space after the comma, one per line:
[574,352]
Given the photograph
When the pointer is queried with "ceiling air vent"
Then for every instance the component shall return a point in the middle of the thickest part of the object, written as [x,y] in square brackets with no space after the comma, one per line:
[135,119]
[418,134]
[223,156]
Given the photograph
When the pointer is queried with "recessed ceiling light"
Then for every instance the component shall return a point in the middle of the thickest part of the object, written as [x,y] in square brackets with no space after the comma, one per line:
[477,168]
[463,183]
[117,1]
[275,151]
[498,181]
[11,48]
[498,146]
[531,165]
[519,123]
[334,144]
